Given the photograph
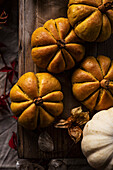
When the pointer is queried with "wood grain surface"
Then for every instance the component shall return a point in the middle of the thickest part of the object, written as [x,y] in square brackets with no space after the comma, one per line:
[33,14]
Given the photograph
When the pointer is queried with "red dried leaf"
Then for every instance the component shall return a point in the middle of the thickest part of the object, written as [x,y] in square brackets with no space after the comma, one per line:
[13,64]
[10,76]
[13,141]
[14,117]
[4,101]
[5,69]
[10,71]
[3,17]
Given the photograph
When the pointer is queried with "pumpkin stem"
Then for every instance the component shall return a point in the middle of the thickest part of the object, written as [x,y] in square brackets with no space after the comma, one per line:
[61,43]
[38,101]
[105,7]
[105,83]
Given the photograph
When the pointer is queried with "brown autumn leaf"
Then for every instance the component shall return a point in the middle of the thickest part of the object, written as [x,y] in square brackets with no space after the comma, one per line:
[62,124]
[45,142]
[75,133]
[77,118]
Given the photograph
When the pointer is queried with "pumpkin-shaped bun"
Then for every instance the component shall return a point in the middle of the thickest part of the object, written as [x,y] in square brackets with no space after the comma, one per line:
[55,46]
[92,19]
[97,142]
[36,99]
[93,83]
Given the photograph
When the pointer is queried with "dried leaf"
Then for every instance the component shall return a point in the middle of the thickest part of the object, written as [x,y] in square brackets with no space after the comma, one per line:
[3,101]
[79,117]
[14,117]
[3,17]
[82,118]
[62,124]
[13,141]
[23,164]
[45,142]
[76,110]
[75,133]
[10,70]
[57,165]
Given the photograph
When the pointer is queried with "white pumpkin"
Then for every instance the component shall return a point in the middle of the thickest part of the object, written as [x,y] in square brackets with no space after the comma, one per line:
[97,142]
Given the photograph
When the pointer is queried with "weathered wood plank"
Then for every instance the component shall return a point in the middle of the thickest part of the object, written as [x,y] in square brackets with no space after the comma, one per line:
[20,141]
[106,48]
[21,69]
[32,14]
[21,39]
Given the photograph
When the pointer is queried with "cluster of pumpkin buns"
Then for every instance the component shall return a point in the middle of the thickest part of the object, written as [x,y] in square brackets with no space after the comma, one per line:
[58,46]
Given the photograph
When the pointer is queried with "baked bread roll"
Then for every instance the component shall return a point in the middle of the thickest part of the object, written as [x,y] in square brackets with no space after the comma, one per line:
[92,20]
[92,83]
[36,99]
[55,46]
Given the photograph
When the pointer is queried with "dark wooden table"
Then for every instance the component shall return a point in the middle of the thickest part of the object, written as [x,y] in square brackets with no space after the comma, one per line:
[32,14]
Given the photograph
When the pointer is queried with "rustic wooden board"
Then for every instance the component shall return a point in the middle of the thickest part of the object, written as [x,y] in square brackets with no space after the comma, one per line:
[32,14]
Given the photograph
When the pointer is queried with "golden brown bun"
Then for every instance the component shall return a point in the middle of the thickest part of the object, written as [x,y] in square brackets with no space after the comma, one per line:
[36,99]
[90,20]
[55,46]
[93,83]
